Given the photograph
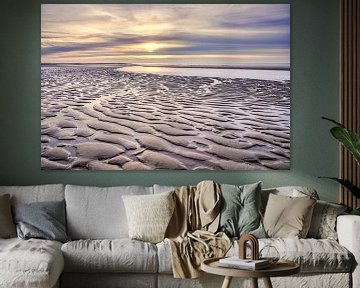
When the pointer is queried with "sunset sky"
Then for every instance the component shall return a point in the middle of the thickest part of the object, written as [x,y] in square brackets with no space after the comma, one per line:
[184,34]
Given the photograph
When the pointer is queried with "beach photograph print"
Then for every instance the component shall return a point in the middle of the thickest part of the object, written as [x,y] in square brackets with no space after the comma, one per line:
[165,86]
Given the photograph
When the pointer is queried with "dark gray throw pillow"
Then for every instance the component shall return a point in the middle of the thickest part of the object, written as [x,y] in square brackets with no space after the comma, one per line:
[43,220]
[240,213]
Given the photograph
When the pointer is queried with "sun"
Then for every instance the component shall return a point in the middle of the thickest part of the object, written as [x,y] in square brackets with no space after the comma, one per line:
[151,47]
[156,47]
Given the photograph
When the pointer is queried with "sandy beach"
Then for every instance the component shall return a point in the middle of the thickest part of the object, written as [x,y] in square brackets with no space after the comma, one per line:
[100,118]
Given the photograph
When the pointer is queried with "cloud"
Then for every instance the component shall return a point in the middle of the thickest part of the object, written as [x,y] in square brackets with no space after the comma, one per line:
[175,28]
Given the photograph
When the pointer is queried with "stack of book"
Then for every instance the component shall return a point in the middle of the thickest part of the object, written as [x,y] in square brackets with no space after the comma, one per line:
[248,264]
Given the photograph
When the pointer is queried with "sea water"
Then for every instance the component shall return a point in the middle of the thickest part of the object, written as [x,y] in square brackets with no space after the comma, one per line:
[260,74]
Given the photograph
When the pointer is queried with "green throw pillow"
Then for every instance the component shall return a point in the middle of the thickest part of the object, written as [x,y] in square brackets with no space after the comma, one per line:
[240,213]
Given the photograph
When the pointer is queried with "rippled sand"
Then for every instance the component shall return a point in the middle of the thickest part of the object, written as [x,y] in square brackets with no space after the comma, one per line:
[102,119]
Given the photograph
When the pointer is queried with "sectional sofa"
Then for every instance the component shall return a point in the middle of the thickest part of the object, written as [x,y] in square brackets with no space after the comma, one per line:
[100,253]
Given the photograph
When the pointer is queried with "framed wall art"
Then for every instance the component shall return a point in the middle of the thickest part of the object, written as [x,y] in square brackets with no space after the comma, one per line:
[165,86]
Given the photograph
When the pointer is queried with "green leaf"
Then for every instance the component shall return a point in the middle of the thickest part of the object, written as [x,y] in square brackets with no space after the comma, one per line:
[355,211]
[333,121]
[348,138]
[347,184]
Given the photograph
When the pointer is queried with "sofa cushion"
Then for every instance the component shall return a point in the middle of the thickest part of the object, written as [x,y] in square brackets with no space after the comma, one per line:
[117,255]
[291,191]
[7,226]
[287,216]
[36,193]
[30,263]
[43,220]
[149,215]
[164,257]
[313,255]
[163,188]
[98,213]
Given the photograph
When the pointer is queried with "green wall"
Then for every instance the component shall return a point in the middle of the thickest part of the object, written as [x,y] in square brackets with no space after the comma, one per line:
[314,76]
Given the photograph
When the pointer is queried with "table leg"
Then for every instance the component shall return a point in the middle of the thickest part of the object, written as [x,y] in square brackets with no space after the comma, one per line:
[227,282]
[267,283]
[254,282]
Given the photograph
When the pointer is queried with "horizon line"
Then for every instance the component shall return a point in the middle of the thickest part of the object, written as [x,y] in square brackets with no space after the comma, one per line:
[277,67]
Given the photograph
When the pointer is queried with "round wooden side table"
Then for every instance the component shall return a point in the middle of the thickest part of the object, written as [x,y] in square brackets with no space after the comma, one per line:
[281,268]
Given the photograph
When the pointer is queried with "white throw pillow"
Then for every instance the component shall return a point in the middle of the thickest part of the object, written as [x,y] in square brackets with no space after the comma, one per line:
[149,215]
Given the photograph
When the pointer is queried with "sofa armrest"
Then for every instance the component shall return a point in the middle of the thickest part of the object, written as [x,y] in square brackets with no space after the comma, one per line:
[348,230]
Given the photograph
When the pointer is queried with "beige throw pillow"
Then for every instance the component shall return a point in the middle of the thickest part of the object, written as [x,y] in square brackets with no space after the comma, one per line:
[7,226]
[149,215]
[288,217]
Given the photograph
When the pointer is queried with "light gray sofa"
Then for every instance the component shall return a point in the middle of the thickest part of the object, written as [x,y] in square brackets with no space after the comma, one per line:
[101,254]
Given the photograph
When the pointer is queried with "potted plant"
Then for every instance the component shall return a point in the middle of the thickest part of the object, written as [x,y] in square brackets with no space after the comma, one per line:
[351,141]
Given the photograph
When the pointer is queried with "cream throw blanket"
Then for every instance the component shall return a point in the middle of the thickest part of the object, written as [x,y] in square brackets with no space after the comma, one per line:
[191,231]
